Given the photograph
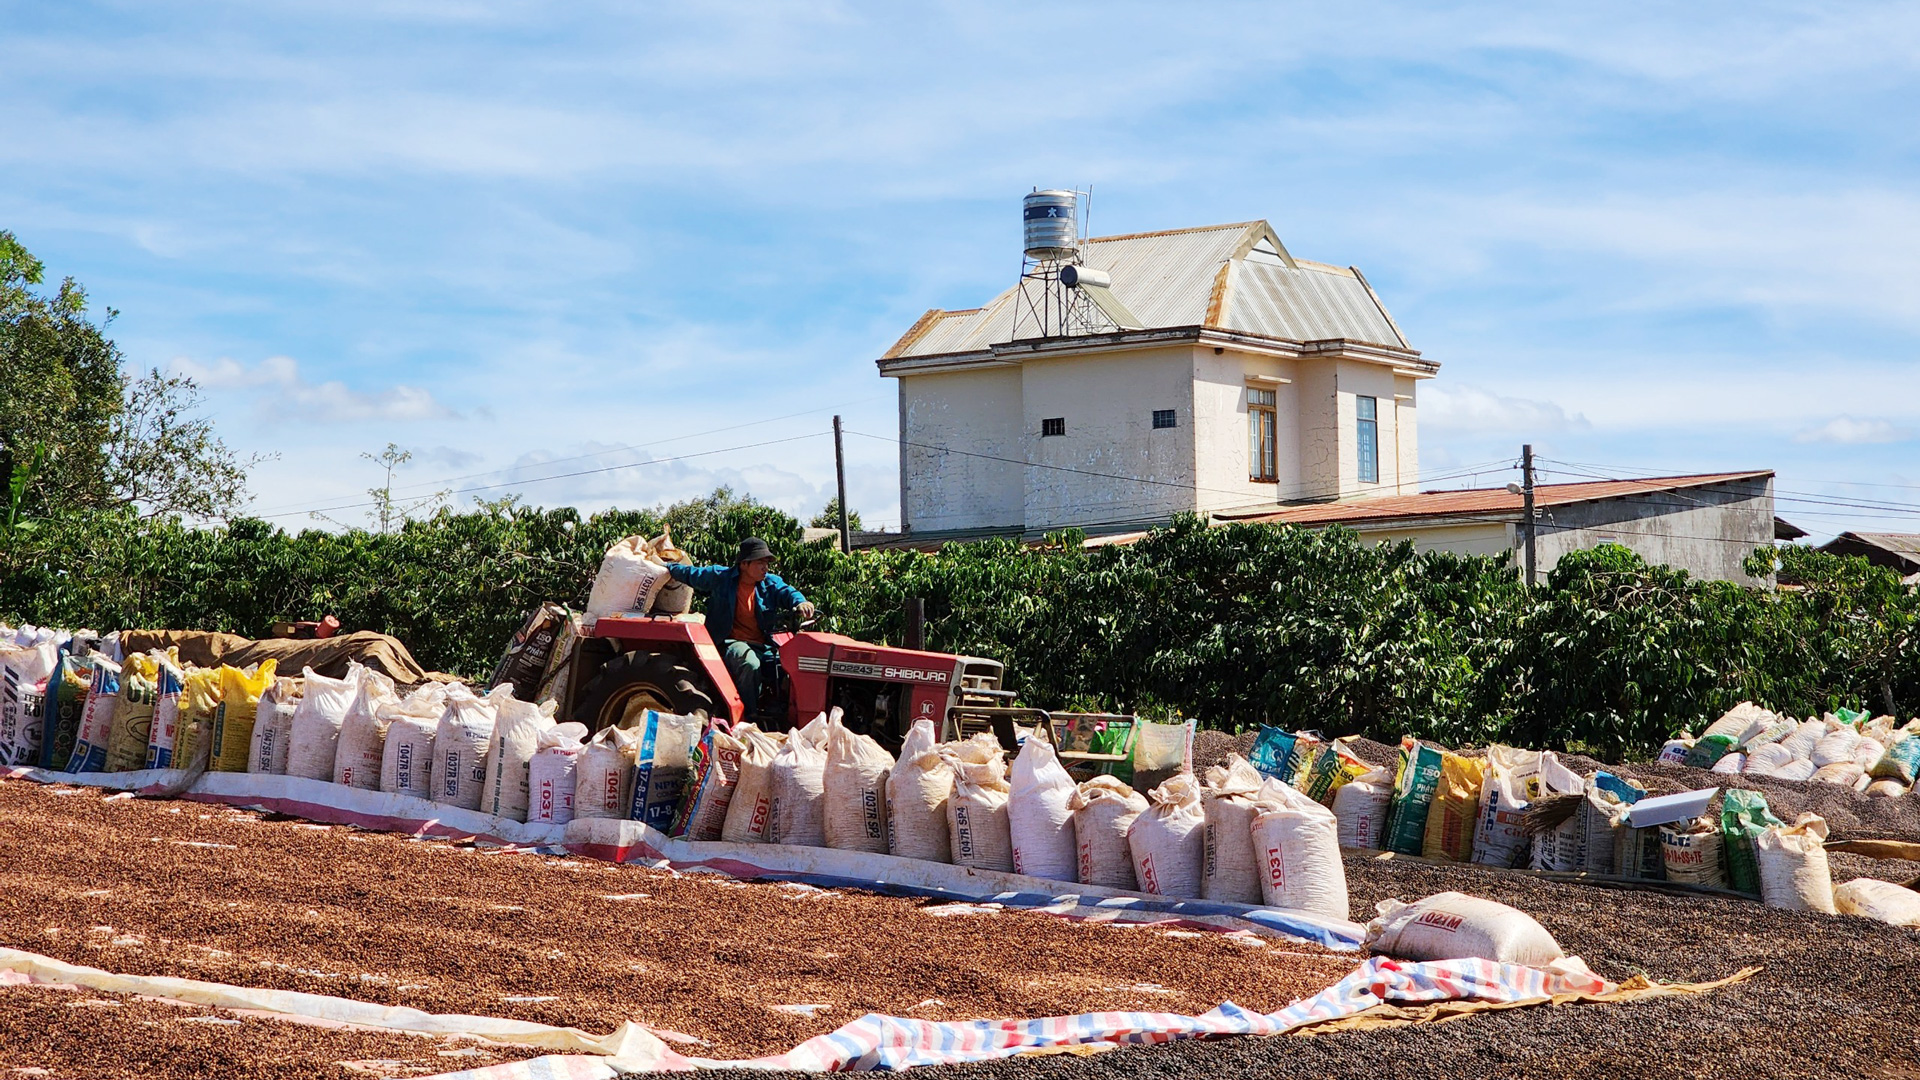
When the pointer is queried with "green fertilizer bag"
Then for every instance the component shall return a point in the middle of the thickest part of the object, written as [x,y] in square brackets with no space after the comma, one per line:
[1707,751]
[1743,817]
[1413,788]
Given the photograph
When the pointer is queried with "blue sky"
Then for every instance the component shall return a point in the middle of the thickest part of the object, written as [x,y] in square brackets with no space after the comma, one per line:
[531,239]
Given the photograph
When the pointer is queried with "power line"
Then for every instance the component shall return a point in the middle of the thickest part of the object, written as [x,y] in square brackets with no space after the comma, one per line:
[609,450]
[1183,485]
[565,476]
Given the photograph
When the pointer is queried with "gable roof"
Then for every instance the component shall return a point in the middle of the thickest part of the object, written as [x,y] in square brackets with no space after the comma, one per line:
[1900,551]
[1472,502]
[1236,277]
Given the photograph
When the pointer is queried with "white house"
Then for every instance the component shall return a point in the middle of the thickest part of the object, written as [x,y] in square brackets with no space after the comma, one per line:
[1252,378]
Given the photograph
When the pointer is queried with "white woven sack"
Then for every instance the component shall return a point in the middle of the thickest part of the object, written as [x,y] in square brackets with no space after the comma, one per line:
[1168,841]
[854,787]
[1455,926]
[363,733]
[977,827]
[1297,841]
[1868,751]
[1836,746]
[459,770]
[1793,866]
[1498,839]
[1360,807]
[752,802]
[1801,743]
[23,676]
[517,727]
[798,779]
[1228,869]
[1797,769]
[1691,853]
[1880,900]
[1040,814]
[1843,773]
[316,722]
[603,774]
[406,765]
[1741,723]
[272,726]
[1104,808]
[917,793]
[1768,760]
[627,582]
[552,773]
[1730,764]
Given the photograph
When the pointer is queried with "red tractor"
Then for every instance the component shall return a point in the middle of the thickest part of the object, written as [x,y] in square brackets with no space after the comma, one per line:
[668,663]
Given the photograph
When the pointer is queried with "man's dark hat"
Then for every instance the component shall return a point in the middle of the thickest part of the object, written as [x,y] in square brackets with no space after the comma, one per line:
[750,549]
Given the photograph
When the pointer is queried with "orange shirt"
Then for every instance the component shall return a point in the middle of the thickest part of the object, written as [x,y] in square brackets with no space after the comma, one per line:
[746,626]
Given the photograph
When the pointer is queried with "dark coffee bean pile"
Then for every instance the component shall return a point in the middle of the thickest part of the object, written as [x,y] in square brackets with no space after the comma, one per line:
[210,892]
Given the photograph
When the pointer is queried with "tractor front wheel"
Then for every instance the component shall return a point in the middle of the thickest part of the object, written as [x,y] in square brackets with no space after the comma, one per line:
[634,681]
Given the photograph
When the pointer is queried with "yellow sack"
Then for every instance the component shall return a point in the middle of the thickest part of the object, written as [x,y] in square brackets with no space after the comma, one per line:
[1455,809]
[199,701]
[233,723]
[133,714]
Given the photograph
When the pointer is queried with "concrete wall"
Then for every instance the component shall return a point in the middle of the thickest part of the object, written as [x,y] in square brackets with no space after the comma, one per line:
[1111,445]
[1706,531]
[1223,462]
[977,411]
[1369,380]
[1477,538]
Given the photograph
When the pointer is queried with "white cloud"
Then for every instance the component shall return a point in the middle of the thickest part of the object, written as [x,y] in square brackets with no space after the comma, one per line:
[282,393]
[1852,431]
[1470,409]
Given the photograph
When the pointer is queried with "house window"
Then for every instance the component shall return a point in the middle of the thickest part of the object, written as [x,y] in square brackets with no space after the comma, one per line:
[1053,425]
[1163,418]
[1366,413]
[1261,452]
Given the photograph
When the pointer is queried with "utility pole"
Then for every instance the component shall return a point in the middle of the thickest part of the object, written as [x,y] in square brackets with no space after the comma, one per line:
[840,477]
[1526,511]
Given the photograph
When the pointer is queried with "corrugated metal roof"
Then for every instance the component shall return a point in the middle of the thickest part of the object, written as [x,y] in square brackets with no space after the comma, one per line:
[1473,501]
[1907,544]
[1169,278]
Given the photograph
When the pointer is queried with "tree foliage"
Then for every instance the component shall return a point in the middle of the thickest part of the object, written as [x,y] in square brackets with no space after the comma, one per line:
[1237,625]
[78,433]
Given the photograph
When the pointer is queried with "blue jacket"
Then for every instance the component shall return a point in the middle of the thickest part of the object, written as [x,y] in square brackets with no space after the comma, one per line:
[721,584]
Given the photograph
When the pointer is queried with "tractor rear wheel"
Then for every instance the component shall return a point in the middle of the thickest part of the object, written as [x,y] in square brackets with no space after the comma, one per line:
[634,681]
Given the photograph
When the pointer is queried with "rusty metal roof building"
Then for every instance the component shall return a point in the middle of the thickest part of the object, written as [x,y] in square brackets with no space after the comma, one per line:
[1899,552]
[1477,503]
[1236,278]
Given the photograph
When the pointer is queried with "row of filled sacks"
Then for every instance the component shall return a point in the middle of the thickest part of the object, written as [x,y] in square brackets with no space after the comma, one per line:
[1869,754]
[1232,836]
[439,742]
[30,659]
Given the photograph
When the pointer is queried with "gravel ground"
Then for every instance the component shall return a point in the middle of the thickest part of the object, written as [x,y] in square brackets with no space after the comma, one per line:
[82,1034]
[1835,998]
[210,892]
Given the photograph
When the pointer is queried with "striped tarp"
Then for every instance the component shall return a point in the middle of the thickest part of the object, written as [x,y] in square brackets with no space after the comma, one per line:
[895,1042]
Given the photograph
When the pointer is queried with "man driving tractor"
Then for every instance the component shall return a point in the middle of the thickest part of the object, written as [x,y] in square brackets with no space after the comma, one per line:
[740,602]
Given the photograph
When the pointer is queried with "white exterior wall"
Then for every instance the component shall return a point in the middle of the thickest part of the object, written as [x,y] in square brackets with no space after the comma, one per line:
[1406,436]
[1222,457]
[976,411]
[1107,401]
[1366,380]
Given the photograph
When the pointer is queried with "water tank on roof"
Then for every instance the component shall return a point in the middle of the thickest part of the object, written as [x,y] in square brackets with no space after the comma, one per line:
[1051,232]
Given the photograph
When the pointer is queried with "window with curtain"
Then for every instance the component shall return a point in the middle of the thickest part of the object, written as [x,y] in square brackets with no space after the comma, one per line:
[1262,459]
